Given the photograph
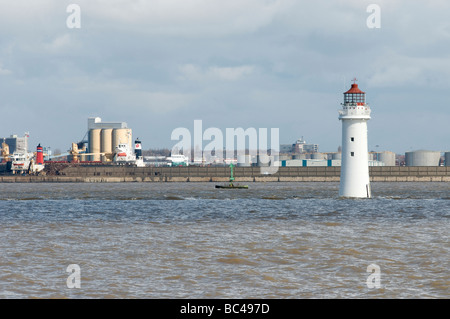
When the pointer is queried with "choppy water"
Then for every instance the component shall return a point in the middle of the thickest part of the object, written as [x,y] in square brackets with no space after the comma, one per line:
[190,240]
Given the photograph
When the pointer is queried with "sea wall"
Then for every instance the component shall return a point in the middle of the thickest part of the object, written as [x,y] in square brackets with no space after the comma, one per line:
[105,173]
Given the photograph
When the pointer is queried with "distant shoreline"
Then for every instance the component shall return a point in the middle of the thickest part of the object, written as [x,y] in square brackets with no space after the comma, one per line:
[115,174]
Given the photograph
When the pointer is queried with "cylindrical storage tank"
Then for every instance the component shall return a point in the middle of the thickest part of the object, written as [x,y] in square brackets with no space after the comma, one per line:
[336,156]
[244,160]
[318,156]
[263,160]
[447,158]
[121,136]
[274,160]
[388,158]
[94,144]
[106,142]
[299,156]
[130,137]
[422,158]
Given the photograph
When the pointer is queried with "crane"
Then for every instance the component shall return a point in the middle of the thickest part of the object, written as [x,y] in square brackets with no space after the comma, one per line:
[5,152]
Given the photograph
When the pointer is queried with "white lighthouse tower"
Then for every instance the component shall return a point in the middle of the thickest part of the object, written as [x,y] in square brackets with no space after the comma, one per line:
[354,115]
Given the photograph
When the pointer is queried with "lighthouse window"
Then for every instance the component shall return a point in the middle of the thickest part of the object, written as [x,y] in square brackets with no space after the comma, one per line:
[352,139]
[352,153]
[354,98]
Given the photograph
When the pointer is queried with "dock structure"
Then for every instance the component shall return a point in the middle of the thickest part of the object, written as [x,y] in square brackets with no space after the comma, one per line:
[111,173]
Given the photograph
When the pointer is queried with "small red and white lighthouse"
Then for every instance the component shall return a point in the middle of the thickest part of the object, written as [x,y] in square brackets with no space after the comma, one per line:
[39,155]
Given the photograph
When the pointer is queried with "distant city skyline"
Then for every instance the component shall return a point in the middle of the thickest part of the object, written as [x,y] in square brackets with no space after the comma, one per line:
[160,65]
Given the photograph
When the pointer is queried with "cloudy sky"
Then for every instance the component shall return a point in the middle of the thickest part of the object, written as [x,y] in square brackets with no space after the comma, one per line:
[161,64]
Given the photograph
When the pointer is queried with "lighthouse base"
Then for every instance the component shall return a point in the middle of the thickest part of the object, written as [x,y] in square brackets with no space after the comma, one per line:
[360,191]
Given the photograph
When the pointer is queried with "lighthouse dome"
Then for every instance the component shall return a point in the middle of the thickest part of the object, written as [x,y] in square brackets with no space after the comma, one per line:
[355,95]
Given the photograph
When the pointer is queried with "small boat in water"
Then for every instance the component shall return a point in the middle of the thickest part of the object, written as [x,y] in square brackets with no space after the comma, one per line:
[231,186]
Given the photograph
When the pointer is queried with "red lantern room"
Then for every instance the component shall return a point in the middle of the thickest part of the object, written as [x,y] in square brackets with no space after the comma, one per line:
[355,95]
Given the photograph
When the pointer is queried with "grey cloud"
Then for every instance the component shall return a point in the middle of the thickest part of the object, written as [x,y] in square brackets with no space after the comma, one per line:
[159,65]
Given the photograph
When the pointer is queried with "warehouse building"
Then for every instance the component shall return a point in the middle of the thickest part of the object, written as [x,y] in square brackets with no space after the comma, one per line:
[16,144]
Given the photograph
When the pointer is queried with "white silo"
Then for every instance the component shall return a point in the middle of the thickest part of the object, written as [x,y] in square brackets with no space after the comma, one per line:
[94,144]
[263,160]
[318,156]
[355,113]
[388,158]
[105,136]
[447,158]
[106,143]
[244,160]
[300,156]
[121,136]
[422,158]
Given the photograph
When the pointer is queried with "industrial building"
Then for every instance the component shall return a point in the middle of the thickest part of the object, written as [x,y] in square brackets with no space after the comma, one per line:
[384,158]
[16,144]
[295,154]
[321,162]
[104,137]
[300,146]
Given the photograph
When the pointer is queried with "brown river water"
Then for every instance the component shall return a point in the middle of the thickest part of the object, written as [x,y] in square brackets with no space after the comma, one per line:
[190,240]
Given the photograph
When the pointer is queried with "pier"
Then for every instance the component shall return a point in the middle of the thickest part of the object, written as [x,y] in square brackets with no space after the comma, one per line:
[110,173]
